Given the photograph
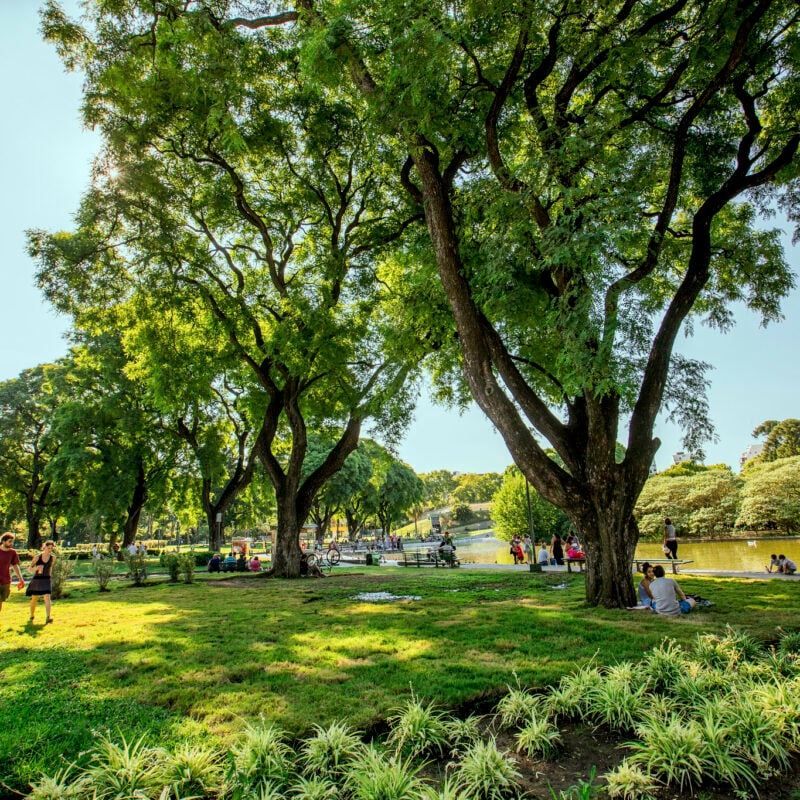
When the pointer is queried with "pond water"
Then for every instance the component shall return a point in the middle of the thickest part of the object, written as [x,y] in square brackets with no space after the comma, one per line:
[722,555]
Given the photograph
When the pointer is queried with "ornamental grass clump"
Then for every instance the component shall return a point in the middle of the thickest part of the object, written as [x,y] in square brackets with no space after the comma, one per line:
[663,666]
[62,785]
[630,782]
[315,788]
[485,772]
[375,776]
[461,733]
[193,770]
[122,771]
[572,697]
[330,751]
[538,737]
[670,749]
[517,706]
[417,729]
[260,758]
[727,652]
[616,702]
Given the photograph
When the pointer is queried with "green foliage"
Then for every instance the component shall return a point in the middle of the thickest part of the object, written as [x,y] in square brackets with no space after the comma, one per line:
[417,729]
[192,770]
[137,567]
[460,512]
[510,510]
[172,563]
[517,706]
[485,772]
[630,782]
[783,439]
[771,495]
[376,777]
[539,737]
[63,567]
[260,757]
[330,751]
[103,571]
[701,501]
[187,563]
[118,771]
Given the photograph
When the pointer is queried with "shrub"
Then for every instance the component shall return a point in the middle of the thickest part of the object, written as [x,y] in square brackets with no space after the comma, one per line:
[103,571]
[171,562]
[60,786]
[137,567]
[187,563]
[192,770]
[62,569]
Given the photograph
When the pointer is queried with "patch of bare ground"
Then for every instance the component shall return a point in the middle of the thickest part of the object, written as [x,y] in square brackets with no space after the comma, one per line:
[585,748]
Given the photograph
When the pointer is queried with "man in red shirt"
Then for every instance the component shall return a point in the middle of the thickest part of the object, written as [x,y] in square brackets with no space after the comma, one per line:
[8,559]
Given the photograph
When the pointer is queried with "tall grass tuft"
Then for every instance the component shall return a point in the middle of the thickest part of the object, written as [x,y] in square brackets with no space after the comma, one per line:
[62,785]
[669,748]
[629,782]
[193,770]
[538,737]
[315,788]
[727,652]
[485,772]
[461,733]
[615,701]
[663,666]
[376,777]
[417,728]
[260,757]
[121,771]
[572,697]
[517,706]
[330,750]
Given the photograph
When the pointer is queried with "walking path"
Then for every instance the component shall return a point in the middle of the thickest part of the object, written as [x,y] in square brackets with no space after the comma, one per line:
[764,575]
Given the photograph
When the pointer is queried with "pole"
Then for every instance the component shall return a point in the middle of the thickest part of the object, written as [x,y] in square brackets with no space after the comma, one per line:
[530,510]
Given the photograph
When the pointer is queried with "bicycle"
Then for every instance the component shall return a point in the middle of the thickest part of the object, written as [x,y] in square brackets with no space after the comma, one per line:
[327,561]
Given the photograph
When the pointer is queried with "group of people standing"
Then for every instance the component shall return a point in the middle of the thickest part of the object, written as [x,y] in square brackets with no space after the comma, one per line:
[41,567]
[523,549]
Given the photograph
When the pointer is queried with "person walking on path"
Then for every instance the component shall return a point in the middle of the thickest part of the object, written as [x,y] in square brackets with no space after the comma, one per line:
[670,539]
[40,585]
[8,559]
[557,549]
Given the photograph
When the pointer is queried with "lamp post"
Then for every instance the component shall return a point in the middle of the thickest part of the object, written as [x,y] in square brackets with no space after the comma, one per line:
[530,510]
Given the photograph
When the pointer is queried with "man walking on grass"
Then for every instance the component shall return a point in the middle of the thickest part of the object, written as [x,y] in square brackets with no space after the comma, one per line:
[8,559]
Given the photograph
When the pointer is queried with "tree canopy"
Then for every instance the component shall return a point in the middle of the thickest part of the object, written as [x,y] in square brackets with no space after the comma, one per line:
[591,176]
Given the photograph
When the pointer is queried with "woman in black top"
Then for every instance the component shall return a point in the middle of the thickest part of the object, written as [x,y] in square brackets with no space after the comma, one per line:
[557,549]
[40,585]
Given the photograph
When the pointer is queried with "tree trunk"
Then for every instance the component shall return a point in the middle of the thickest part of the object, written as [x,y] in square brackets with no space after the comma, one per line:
[286,552]
[138,500]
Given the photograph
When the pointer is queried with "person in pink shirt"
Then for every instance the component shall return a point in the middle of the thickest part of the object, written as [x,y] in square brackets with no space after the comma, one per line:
[8,560]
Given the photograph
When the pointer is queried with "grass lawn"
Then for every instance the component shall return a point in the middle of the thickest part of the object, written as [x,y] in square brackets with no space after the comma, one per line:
[188,662]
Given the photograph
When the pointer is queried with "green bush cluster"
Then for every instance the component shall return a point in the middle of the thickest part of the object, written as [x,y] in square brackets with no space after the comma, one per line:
[725,713]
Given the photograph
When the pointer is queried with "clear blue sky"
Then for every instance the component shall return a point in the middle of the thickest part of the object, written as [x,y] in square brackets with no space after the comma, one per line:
[46,168]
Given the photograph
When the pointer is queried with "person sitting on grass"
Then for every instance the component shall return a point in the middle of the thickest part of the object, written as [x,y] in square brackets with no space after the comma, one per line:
[643,590]
[255,564]
[214,562]
[665,593]
[310,570]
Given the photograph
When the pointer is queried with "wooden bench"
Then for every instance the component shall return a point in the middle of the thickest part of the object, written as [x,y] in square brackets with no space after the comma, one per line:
[433,558]
[570,561]
[675,562]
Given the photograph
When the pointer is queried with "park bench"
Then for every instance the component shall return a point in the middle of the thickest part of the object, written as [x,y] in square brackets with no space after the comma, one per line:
[675,562]
[570,561]
[432,558]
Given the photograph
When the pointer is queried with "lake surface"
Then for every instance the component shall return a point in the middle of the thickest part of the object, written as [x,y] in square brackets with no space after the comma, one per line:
[723,555]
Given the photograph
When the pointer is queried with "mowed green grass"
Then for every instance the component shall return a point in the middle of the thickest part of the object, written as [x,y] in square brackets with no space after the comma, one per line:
[189,662]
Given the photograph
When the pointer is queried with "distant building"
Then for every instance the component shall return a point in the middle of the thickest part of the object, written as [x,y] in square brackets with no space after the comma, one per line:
[653,469]
[751,452]
[682,457]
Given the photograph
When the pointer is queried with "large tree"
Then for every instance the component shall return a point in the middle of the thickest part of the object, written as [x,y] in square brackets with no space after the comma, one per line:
[28,444]
[228,178]
[592,175]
